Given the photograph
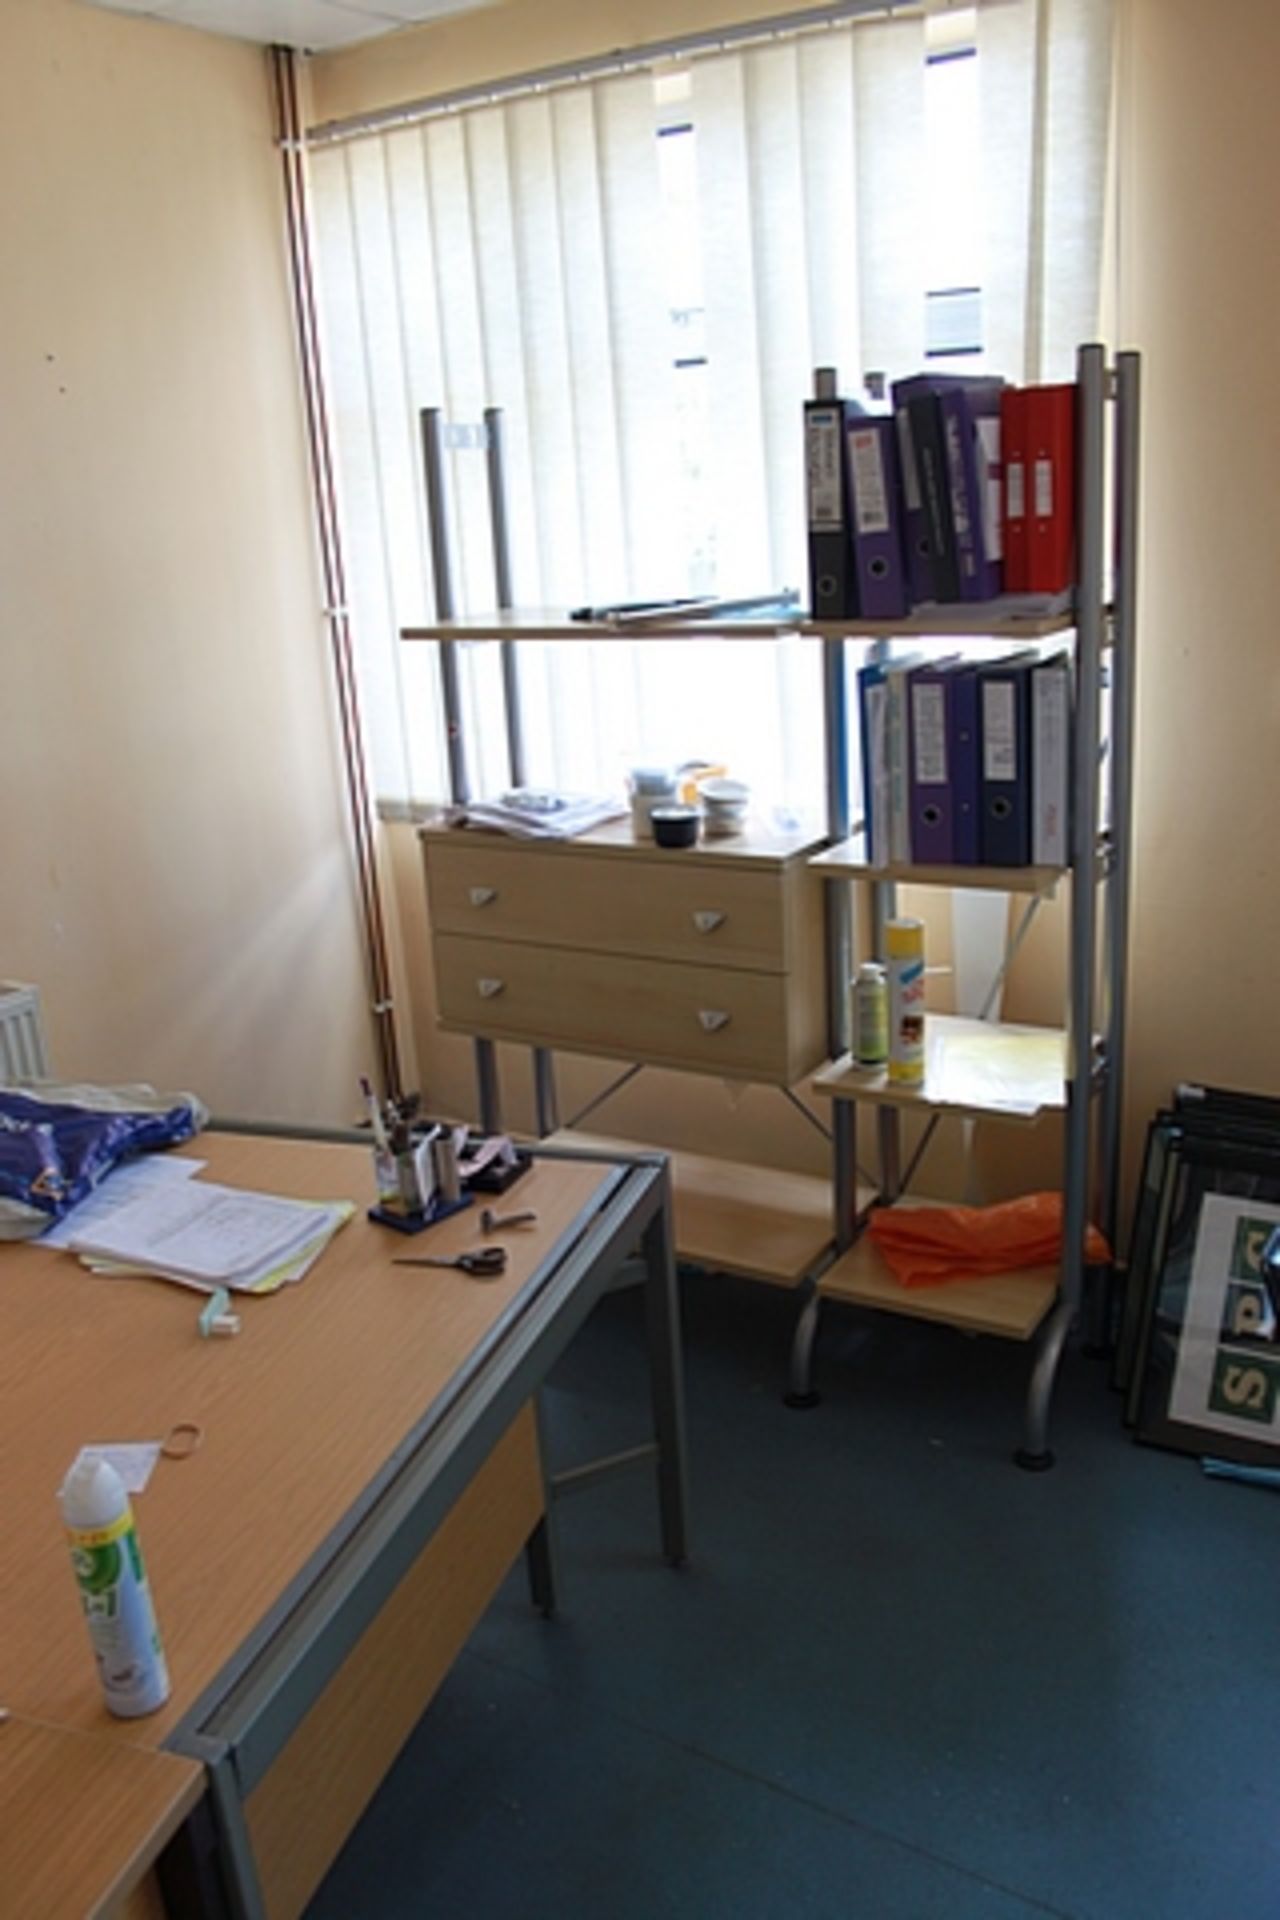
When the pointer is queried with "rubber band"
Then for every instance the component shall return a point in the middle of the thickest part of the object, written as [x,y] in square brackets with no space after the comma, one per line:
[182,1440]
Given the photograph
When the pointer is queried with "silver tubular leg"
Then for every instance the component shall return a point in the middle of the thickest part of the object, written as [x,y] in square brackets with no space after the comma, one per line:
[487,1088]
[502,583]
[542,1550]
[243,1890]
[1084,894]
[546,1105]
[666,1377]
[1123,665]
[1034,1454]
[801,1392]
[844,1135]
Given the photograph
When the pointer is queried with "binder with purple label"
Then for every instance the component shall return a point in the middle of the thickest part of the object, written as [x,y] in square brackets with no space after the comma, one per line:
[875,500]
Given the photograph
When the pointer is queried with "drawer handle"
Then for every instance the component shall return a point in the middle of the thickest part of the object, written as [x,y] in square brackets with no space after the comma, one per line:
[490,989]
[711,1019]
[707,920]
[483,896]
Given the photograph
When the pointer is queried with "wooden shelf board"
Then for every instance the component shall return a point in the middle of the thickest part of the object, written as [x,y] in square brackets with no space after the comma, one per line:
[981,620]
[1009,1305]
[847,859]
[760,1222]
[982,1068]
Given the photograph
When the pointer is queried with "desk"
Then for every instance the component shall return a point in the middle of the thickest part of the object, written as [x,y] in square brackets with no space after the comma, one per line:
[84,1819]
[368,1473]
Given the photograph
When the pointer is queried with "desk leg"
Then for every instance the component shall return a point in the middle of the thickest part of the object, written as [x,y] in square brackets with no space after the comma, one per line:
[666,1376]
[208,1871]
[542,1552]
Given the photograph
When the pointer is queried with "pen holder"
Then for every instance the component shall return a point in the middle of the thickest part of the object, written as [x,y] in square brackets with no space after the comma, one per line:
[411,1195]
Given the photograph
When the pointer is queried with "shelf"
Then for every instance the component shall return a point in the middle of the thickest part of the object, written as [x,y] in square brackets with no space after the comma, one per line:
[755,1221]
[847,860]
[1011,618]
[977,1067]
[1009,1305]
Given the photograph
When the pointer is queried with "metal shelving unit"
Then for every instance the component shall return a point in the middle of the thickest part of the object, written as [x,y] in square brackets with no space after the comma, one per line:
[973,1073]
[1016,1073]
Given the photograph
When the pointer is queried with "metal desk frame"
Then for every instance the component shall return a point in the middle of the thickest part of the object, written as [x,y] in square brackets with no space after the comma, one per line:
[242,1722]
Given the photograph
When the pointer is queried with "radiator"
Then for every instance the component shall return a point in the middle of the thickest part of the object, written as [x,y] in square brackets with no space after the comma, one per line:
[23,1055]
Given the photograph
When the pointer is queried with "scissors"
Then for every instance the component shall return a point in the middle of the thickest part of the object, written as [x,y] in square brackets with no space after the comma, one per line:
[483,1264]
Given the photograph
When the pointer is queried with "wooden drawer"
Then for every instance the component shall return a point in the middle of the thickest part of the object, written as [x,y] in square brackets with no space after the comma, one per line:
[720,1020]
[704,910]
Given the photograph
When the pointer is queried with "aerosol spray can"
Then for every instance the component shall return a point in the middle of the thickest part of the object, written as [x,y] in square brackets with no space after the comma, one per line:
[870,1015]
[904,946]
[113,1589]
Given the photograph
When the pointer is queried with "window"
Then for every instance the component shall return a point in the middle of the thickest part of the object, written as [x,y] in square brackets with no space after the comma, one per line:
[643,270]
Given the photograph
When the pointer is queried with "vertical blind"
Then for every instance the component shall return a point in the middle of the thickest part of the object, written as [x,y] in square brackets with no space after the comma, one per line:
[650,333]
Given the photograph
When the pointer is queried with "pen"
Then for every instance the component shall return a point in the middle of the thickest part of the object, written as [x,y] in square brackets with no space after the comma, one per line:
[628,607]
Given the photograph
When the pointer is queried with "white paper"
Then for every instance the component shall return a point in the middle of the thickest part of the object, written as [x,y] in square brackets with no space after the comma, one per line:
[133,1460]
[129,1182]
[205,1232]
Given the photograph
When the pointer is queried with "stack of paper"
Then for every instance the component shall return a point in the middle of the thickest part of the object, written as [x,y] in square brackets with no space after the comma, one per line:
[207,1236]
[533,814]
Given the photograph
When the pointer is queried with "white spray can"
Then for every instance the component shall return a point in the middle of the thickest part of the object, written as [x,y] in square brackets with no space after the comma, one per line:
[113,1588]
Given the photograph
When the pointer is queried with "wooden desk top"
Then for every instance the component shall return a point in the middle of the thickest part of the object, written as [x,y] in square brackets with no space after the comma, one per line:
[300,1412]
[82,1819]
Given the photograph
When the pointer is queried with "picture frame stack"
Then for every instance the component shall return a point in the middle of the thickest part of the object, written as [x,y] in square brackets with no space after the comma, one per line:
[1198,1347]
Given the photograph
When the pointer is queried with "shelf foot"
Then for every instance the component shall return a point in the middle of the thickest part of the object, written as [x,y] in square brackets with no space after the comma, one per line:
[1034,1453]
[1033,1462]
[800,1389]
[801,1402]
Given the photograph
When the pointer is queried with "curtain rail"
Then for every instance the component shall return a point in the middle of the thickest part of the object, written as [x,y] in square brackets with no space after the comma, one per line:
[688,46]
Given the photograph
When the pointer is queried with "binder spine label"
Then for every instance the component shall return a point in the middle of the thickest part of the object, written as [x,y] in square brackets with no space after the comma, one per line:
[929,735]
[1044,489]
[826,508]
[992,487]
[870,494]
[999,732]
[1015,492]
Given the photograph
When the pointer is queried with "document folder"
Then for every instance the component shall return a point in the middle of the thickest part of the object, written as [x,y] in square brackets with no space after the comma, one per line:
[876,516]
[1005,688]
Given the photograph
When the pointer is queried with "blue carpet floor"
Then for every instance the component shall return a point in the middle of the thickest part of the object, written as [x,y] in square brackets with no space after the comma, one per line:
[899,1678]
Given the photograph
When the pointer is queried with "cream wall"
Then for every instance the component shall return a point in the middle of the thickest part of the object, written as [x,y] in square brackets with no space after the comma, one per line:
[1199,286]
[174,866]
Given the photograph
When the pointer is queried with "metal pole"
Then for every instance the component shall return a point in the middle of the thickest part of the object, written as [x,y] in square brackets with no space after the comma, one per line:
[437,526]
[546,1106]
[487,1091]
[1123,667]
[1084,892]
[502,584]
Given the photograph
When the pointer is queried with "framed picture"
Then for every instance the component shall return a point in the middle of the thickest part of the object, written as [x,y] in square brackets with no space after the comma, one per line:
[1206,1359]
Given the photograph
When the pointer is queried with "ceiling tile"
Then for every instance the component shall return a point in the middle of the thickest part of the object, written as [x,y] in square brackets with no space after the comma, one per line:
[295,23]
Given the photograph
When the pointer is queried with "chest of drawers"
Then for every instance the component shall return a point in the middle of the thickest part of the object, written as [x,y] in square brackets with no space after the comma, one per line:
[710,959]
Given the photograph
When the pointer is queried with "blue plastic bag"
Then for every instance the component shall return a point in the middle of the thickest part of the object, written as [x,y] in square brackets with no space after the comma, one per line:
[54,1152]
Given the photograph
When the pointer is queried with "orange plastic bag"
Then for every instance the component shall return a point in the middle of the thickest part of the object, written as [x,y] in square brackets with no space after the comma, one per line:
[927,1246]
